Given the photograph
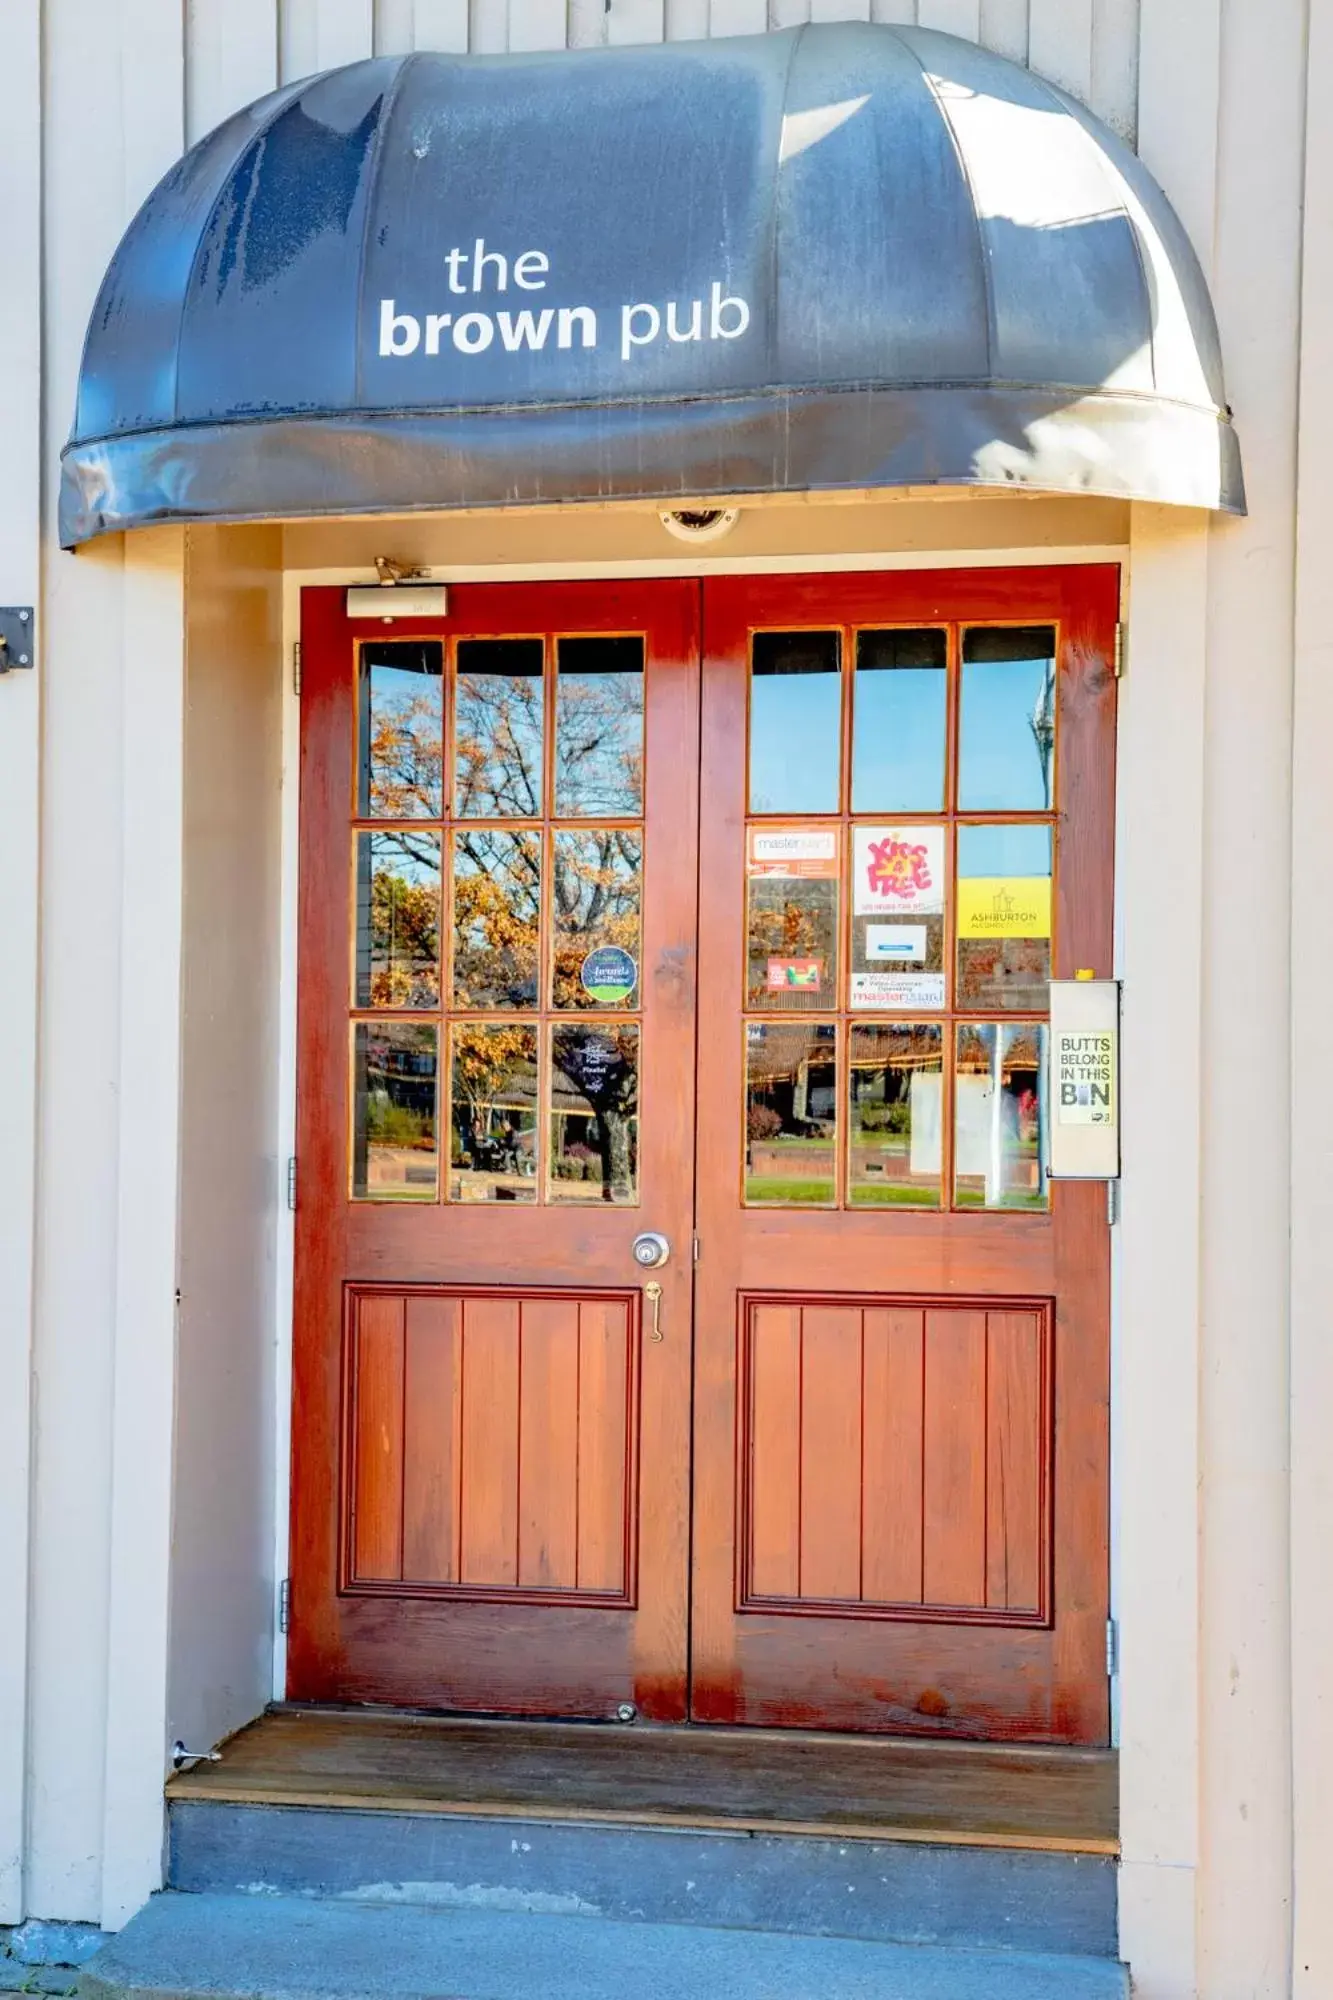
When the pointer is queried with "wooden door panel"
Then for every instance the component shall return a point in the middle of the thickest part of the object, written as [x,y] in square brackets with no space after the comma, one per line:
[901,1446]
[474,1402]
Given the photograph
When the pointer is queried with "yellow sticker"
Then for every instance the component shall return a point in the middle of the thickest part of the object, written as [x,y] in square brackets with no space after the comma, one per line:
[1004,906]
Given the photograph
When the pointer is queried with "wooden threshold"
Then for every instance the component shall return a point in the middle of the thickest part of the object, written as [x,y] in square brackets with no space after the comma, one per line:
[737,1780]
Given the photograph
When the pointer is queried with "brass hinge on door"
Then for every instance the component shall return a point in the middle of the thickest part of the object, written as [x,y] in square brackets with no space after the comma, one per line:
[291,1183]
[1112,1649]
[285,1605]
[296,667]
[1120,650]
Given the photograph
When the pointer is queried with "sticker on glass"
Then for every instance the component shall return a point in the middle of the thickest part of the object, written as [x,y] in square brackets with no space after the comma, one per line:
[888,944]
[898,870]
[609,974]
[1004,906]
[793,853]
[786,975]
[1085,1076]
[897,989]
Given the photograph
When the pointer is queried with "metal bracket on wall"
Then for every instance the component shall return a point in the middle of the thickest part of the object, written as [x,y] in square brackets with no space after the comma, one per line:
[18,635]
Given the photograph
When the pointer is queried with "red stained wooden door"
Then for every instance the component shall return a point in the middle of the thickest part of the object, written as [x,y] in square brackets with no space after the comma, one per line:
[902,1328]
[491,1454]
[881,1393]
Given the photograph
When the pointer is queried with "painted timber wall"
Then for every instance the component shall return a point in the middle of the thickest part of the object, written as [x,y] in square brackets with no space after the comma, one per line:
[1225,1372]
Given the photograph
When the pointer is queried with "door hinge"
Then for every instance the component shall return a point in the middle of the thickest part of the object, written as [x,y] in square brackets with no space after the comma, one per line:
[291,1183]
[1112,1203]
[285,1605]
[296,667]
[696,1249]
[1120,642]
[1112,1649]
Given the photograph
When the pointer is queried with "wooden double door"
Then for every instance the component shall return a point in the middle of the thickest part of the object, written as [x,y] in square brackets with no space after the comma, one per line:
[722,913]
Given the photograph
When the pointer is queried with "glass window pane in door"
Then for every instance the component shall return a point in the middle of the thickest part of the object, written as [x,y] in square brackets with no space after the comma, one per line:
[795,722]
[395,1154]
[1000,1115]
[900,705]
[499,729]
[791,1114]
[895,1085]
[1004,917]
[599,728]
[594,1141]
[1006,725]
[494,1106]
[400,730]
[597,892]
[398,919]
[496,917]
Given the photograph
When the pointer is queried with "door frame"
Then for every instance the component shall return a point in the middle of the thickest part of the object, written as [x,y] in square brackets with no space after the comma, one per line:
[294,582]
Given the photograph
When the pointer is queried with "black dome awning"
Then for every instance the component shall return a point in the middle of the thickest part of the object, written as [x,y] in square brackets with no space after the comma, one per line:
[842,256]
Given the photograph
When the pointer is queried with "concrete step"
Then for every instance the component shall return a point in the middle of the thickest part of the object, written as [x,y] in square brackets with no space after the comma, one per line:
[882,1891]
[212,1947]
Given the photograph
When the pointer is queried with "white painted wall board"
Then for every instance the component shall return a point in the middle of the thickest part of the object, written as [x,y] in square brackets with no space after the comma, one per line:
[440,24]
[1004,28]
[788,13]
[953,17]
[1060,43]
[20,752]
[737,17]
[141,1415]
[1178,129]
[1245,1656]
[1115,64]
[488,29]
[1312,1081]
[687,20]
[839,10]
[231,58]
[587,23]
[395,27]
[344,32]
[298,39]
[536,24]
[635,21]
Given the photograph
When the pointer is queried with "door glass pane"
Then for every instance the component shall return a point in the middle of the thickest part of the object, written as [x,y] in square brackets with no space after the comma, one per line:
[493,1088]
[497,918]
[400,727]
[792,918]
[895,1083]
[397,919]
[395,1156]
[899,722]
[795,722]
[898,894]
[498,712]
[1004,917]
[594,1147]
[791,1114]
[597,889]
[1000,1116]
[599,728]
[1006,742]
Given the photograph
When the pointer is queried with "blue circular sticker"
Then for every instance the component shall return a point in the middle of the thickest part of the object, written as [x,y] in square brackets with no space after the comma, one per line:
[609,974]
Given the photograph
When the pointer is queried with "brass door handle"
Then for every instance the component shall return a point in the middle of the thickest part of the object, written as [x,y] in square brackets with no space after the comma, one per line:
[652,1291]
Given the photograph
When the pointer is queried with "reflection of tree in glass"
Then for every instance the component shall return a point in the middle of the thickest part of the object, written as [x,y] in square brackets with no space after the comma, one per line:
[781,926]
[602,1064]
[497,907]
[498,760]
[405,924]
[599,744]
[596,890]
[489,1062]
[406,749]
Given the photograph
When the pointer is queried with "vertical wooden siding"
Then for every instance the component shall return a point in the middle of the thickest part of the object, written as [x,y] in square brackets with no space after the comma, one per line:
[239,48]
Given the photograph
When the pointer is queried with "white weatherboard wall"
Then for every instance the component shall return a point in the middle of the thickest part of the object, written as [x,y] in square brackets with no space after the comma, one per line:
[1223,1380]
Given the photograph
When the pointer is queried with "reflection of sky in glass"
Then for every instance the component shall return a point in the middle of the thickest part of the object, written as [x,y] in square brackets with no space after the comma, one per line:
[898,740]
[1000,766]
[1004,850]
[498,732]
[599,727]
[402,731]
[795,726]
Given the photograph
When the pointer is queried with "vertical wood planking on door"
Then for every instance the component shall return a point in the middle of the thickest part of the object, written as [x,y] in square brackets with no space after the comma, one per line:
[491,1442]
[378,1406]
[897,1456]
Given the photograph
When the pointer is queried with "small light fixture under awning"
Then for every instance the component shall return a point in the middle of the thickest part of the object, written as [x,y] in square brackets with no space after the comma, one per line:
[841,256]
